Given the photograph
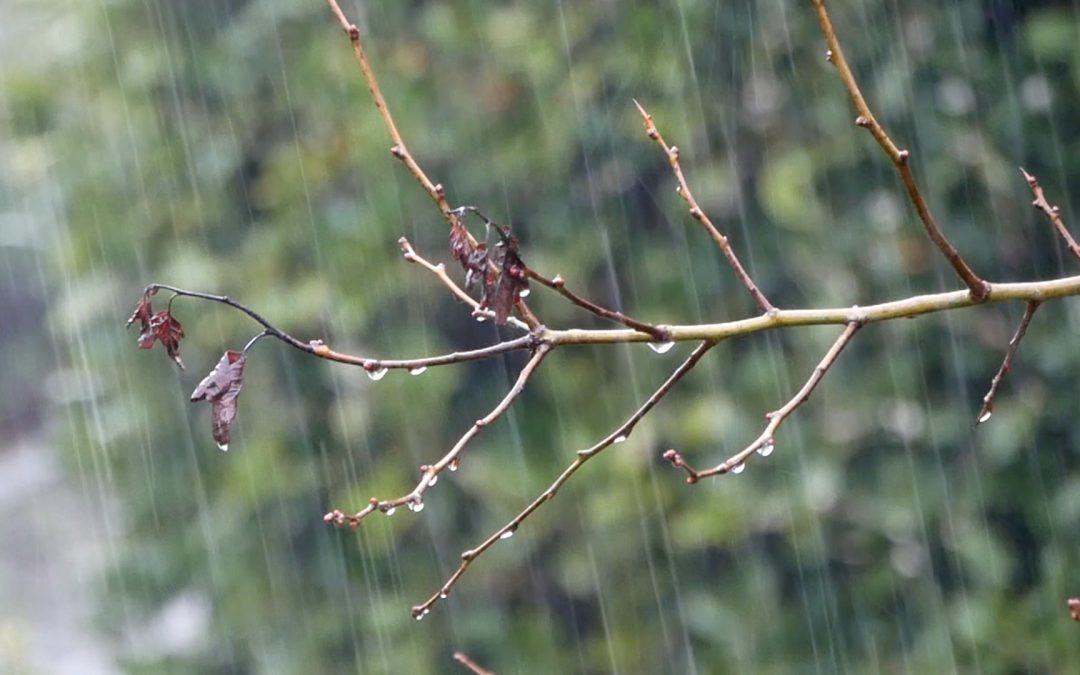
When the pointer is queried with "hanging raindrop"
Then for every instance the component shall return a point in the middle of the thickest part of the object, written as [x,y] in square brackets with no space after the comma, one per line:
[453,465]
[619,439]
[434,479]
[417,371]
[507,534]
[480,318]
[985,417]
[524,293]
[766,448]
[390,511]
[224,447]
[738,468]
[377,374]
[416,506]
[661,347]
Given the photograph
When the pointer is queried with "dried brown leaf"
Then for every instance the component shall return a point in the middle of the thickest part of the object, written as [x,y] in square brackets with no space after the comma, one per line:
[221,388]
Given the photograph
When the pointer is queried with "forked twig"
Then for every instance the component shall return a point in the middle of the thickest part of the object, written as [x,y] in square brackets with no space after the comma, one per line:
[765,443]
[1052,212]
[672,154]
[1014,344]
[414,499]
[620,434]
[979,288]
[558,284]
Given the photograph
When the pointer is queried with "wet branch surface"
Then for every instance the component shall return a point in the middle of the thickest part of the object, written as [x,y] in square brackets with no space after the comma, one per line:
[504,278]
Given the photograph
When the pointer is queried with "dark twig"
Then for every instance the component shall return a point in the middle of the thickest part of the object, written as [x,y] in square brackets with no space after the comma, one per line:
[1052,212]
[672,154]
[979,288]
[764,443]
[508,530]
[471,665]
[414,500]
[1014,344]
[372,366]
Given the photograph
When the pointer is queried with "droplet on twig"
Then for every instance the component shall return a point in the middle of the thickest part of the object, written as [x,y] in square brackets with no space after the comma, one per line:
[509,533]
[661,347]
[738,468]
[524,293]
[434,479]
[390,510]
[224,447]
[417,371]
[376,374]
[416,505]
[766,448]
[453,465]
[621,438]
[985,417]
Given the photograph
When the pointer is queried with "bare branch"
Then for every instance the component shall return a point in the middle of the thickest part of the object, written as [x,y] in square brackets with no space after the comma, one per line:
[617,436]
[979,288]
[1052,212]
[471,665]
[414,500]
[1014,344]
[765,443]
[672,154]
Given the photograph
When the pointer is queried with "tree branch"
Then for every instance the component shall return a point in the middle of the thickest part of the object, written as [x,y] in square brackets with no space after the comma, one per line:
[764,443]
[672,154]
[1052,212]
[620,434]
[900,158]
[430,472]
[471,665]
[1014,344]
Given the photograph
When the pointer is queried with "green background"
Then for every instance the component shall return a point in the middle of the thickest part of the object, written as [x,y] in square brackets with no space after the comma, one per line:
[231,146]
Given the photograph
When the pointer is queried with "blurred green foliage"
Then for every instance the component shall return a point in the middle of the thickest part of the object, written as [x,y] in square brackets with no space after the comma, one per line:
[231,146]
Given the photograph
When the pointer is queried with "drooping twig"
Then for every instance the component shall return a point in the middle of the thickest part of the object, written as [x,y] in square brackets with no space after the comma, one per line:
[1014,344]
[371,365]
[978,287]
[672,154]
[764,443]
[471,665]
[414,499]
[1052,212]
[617,436]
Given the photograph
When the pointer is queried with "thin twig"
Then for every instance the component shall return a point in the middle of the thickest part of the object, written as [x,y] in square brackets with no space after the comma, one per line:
[1052,212]
[439,270]
[558,284]
[1014,344]
[471,665]
[765,443]
[508,530]
[430,472]
[672,154]
[978,287]
[371,365]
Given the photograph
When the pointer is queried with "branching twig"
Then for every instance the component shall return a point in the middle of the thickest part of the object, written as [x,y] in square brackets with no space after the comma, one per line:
[900,158]
[558,284]
[764,443]
[374,367]
[430,472]
[620,434]
[1052,212]
[672,154]
[471,665]
[1014,344]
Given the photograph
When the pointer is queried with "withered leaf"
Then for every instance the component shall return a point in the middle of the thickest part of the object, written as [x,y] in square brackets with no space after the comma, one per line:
[164,328]
[142,311]
[221,388]
[460,246]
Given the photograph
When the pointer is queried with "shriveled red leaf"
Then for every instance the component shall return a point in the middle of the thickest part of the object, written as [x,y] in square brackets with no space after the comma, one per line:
[476,266]
[164,328]
[512,281]
[460,246]
[221,388]
[142,311]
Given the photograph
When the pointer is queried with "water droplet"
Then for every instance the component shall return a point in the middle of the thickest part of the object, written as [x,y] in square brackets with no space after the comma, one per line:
[390,511]
[377,374]
[480,318]
[453,465]
[416,506]
[443,595]
[417,371]
[985,417]
[524,293]
[507,534]
[738,468]
[434,479]
[224,447]
[661,347]
[619,439]
[420,616]
[766,448]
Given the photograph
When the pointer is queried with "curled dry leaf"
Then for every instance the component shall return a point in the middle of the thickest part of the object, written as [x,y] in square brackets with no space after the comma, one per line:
[221,388]
[157,327]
